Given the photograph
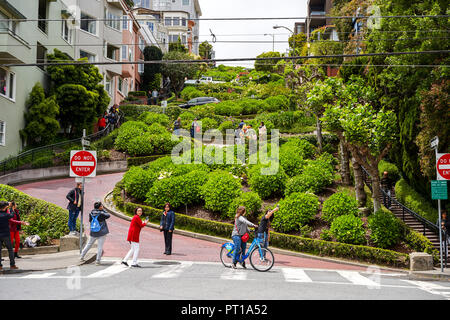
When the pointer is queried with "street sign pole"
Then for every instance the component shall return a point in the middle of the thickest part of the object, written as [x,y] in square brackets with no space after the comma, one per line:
[435,144]
[83,180]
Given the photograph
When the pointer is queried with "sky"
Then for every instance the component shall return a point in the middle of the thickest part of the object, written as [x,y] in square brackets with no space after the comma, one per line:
[248,30]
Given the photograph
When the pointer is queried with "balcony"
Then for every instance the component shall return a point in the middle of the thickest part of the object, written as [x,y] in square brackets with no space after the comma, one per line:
[115,3]
[13,49]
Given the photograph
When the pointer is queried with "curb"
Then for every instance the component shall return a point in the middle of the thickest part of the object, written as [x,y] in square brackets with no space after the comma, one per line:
[434,275]
[219,240]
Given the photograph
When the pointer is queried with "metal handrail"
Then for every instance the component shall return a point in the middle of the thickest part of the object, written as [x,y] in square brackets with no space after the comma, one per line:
[32,152]
[426,223]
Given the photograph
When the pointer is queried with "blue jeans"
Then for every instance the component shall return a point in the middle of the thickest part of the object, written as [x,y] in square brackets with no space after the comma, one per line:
[73,215]
[239,248]
[263,238]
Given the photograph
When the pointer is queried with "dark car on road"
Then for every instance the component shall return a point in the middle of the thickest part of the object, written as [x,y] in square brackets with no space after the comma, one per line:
[199,101]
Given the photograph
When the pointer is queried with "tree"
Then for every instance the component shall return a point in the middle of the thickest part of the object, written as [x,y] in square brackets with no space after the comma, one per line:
[299,43]
[177,72]
[266,65]
[79,93]
[178,47]
[368,134]
[151,53]
[41,125]
[205,50]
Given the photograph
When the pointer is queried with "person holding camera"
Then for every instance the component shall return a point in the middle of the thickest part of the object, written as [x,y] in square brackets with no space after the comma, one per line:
[263,233]
[136,226]
[99,230]
[167,225]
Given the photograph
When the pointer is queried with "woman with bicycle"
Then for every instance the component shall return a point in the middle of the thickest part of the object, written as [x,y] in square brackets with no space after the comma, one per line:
[241,225]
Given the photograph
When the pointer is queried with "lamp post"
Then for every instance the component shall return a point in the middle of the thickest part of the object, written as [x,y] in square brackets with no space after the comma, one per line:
[292,32]
[273,39]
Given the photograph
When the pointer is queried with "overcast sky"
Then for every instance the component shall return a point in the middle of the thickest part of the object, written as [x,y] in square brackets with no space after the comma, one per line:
[248,30]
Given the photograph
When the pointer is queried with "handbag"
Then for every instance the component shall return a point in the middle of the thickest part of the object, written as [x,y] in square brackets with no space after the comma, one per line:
[245,236]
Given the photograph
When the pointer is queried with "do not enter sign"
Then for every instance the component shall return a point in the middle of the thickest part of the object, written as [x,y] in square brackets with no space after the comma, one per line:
[443,166]
[83,163]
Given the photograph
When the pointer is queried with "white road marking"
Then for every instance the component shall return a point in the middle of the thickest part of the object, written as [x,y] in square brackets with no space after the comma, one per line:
[295,275]
[39,275]
[234,274]
[430,287]
[358,279]
[108,272]
[173,271]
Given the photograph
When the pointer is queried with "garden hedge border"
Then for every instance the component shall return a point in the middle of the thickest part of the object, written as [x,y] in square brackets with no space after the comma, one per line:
[282,241]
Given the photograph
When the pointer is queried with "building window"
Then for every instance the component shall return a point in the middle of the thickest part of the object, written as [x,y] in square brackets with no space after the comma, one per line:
[130,53]
[7,83]
[41,54]
[141,67]
[183,22]
[43,15]
[88,23]
[108,85]
[2,133]
[185,2]
[111,20]
[120,85]
[125,23]
[7,24]
[141,44]
[176,21]
[66,32]
[183,39]
[173,38]
[90,57]
[168,21]
[124,52]
[151,26]
[111,52]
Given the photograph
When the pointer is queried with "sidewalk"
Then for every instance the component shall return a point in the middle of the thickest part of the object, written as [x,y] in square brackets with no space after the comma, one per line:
[44,262]
[432,275]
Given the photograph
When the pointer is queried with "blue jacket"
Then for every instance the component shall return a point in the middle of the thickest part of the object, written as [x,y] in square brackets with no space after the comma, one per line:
[168,222]
[4,224]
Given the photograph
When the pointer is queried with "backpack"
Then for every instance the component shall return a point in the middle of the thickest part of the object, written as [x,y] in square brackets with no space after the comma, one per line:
[95,225]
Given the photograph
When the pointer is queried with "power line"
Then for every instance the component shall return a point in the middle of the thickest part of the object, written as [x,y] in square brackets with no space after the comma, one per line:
[222,60]
[239,18]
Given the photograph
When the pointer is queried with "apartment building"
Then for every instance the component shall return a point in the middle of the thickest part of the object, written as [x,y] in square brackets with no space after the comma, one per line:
[179,18]
[27,42]
[152,26]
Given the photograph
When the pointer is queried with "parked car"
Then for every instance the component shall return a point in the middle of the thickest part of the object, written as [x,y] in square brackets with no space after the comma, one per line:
[199,101]
[202,80]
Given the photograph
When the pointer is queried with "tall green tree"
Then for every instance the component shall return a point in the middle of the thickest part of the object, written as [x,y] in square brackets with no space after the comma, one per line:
[205,50]
[151,53]
[41,125]
[79,93]
[178,46]
[177,72]
[267,65]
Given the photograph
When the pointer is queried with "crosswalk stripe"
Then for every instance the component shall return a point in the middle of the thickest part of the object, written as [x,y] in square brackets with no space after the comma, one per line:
[112,270]
[234,274]
[39,275]
[295,275]
[174,271]
[427,286]
[358,279]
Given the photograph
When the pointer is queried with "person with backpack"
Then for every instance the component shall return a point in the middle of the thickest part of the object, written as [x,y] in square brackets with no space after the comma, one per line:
[136,226]
[15,225]
[195,128]
[240,229]
[99,230]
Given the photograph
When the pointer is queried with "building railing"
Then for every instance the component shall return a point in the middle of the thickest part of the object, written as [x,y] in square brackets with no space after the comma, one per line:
[25,159]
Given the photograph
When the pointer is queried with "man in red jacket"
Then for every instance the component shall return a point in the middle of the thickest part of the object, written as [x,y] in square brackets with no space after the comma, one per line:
[133,237]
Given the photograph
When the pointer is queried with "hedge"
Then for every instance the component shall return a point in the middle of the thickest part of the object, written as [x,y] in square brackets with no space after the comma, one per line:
[47,220]
[137,161]
[282,241]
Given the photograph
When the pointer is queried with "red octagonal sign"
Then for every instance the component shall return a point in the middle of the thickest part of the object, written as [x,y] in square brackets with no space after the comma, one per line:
[443,166]
[83,163]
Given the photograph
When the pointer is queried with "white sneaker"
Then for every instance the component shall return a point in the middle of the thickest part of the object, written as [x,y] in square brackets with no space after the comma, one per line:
[97,263]
[82,259]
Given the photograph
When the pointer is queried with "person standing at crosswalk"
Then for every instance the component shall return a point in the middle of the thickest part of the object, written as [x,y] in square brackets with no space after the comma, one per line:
[99,230]
[136,226]
[167,225]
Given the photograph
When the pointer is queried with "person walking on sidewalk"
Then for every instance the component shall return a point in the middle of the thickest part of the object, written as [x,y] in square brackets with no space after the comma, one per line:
[99,230]
[136,226]
[167,225]
[240,228]
[15,225]
[5,235]
[74,207]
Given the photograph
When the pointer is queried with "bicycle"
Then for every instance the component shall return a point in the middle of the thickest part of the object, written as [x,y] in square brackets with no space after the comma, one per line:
[261,258]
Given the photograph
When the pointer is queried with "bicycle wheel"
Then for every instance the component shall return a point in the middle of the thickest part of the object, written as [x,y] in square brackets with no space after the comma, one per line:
[226,257]
[262,259]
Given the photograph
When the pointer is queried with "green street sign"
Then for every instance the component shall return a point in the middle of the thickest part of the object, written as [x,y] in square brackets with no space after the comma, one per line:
[439,190]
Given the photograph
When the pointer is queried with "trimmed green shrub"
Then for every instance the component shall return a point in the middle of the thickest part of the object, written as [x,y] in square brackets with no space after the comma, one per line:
[385,229]
[291,160]
[295,211]
[191,92]
[277,103]
[208,124]
[337,205]
[315,177]
[220,190]
[187,116]
[267,181]
[252,106]
[151,117]
[156,128]
[304,148]
[250,200]
[127,132]
[137,182]
[228,108]
[42,162]
[326,235]
[226,125]
[348,229]
[414,201]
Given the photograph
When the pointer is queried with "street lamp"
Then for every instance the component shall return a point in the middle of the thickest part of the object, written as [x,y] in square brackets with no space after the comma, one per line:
[273,39]
[292,32]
